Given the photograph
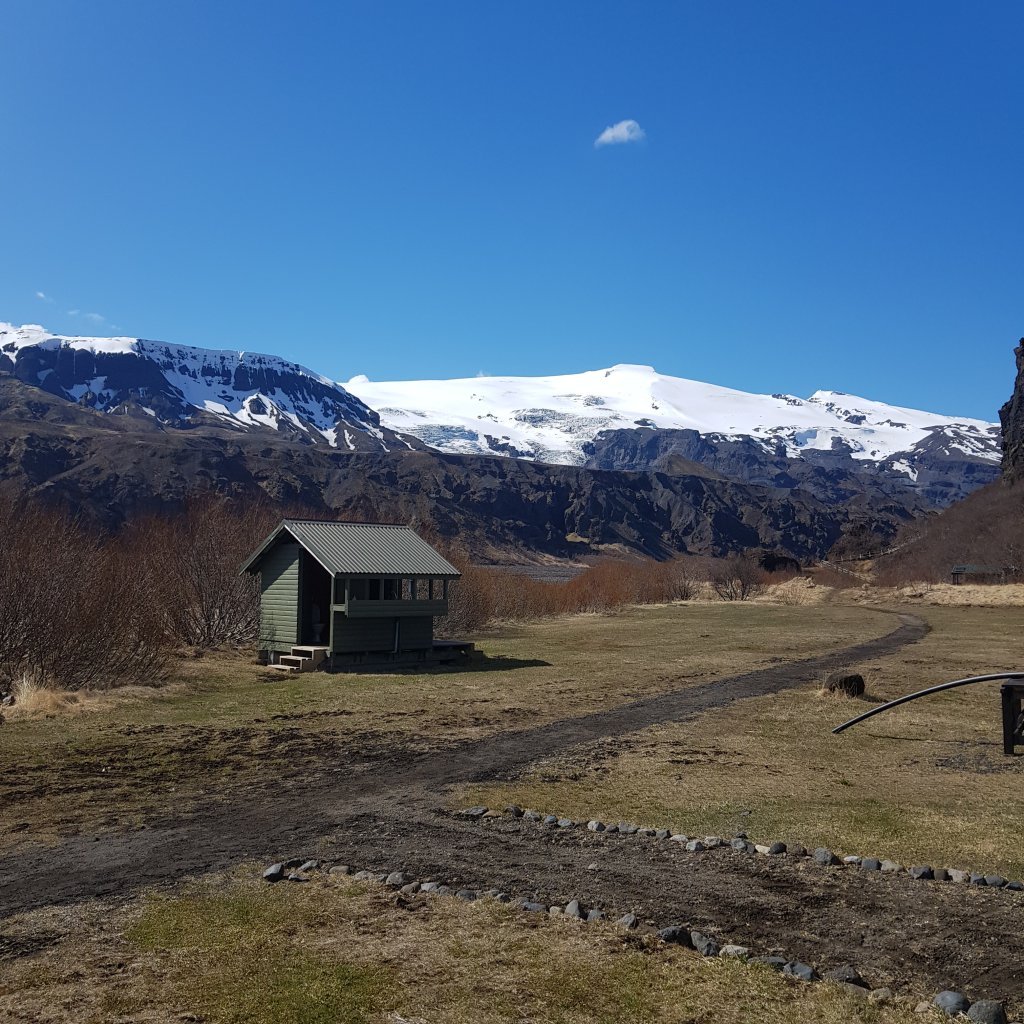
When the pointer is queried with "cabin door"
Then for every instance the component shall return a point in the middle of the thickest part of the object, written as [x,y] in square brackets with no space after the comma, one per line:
[314,603]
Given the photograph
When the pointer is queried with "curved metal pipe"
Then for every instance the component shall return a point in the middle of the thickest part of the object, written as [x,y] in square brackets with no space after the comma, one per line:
[924,693]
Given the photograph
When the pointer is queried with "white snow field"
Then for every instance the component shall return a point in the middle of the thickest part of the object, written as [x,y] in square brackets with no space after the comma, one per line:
[552,418]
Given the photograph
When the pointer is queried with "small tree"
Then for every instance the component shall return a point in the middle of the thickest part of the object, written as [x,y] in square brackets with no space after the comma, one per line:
[738,578]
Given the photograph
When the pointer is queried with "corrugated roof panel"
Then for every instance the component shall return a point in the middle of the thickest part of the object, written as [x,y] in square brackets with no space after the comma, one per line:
[368,548]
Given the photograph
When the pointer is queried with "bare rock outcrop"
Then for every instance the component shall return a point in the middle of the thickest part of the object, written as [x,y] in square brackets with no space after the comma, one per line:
[1012,418]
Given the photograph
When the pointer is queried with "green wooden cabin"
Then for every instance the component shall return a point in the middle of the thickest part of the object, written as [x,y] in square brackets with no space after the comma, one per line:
[341,594]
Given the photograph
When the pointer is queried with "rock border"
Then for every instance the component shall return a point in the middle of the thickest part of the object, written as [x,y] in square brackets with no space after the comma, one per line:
[741,842]
[299,869]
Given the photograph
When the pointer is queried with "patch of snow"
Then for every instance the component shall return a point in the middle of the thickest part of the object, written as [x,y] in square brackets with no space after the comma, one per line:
[555,417]
[205,379]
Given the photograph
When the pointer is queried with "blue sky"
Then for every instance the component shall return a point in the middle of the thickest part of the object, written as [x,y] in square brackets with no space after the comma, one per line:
[825,195]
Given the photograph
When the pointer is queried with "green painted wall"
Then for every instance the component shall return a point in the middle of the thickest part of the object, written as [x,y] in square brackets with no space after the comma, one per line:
[354,635]
[279,598]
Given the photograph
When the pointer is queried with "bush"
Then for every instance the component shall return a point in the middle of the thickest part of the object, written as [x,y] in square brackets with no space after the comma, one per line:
[192,559]
[738,578]
[486,594]
[75,611]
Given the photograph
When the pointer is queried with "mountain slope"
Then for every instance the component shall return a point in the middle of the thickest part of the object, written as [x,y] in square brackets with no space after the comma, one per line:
[606,418]
[112,467]
[179,387]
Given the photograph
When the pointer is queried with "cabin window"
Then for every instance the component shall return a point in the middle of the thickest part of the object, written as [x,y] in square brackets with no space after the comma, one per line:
[339,590]
[373,590]
[407,590]
[391,590]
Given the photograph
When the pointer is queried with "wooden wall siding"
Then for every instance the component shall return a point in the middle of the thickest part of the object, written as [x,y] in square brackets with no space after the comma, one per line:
[378,635]
[279,598]
[417,633]
[374,609]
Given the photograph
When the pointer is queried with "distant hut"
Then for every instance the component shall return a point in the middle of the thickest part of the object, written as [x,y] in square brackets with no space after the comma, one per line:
[977,574]
[336,595]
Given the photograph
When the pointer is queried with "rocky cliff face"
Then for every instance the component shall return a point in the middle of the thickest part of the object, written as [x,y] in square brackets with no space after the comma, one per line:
[178,387]
[936,472]
[1012,418]
[113,467]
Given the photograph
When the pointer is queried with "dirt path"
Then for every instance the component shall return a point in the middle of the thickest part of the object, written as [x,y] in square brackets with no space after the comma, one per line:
[916,937]
[300,811]
[387,814]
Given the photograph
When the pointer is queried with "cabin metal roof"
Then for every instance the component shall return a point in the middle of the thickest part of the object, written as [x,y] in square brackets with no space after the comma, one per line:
[361,549]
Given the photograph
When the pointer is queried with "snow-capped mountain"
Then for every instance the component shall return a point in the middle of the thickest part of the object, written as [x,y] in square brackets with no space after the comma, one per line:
[180,386]
[555,419]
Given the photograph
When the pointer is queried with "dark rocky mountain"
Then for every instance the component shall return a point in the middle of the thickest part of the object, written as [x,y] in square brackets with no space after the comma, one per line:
[934,474]
[1012,418]
[178,387]
[112,467]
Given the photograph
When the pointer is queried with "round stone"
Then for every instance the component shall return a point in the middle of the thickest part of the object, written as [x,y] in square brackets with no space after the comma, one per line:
[951,1003]
[704,944]
[851,684]
[804,972]
[737,952]
[987,1011]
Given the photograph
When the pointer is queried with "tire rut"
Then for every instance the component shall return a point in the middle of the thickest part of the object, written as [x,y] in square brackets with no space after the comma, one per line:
[262,821]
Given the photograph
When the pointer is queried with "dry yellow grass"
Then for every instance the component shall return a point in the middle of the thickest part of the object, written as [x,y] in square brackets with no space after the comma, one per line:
[1005,595]
[233,950]
[224,720]
[927,783]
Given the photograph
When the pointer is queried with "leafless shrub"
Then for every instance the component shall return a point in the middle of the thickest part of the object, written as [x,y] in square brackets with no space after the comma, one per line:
[192,559]
[74,612]
[486,595]
[738,578]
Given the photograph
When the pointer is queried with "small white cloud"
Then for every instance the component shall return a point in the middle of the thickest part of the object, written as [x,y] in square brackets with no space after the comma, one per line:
[44,297]
[74,312]
[622,131]
[482,373]
[95,318]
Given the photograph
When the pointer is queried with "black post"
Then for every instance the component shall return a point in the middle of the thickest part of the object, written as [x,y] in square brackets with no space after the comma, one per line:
[1013,721]
[1006,694]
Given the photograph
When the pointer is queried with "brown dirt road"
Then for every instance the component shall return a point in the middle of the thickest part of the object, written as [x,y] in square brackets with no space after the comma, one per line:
[385,814]
[302,809]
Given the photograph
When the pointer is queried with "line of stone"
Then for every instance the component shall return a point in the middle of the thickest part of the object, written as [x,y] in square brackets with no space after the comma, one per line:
[983,1011]
[822,855]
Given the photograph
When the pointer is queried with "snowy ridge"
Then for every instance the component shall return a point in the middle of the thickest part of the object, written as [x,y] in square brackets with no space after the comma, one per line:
[554,418]
[171,383]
